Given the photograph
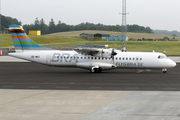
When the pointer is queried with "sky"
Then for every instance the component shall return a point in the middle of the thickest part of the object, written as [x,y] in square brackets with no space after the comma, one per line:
[156,14]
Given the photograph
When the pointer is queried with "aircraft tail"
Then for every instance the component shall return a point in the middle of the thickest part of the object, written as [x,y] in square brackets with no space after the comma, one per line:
[21,41]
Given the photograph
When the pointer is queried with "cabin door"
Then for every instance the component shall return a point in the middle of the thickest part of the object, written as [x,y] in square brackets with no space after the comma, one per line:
[48,59]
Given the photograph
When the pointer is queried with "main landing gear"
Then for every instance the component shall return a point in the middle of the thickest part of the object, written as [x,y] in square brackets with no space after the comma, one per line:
[164,70]
[95,70]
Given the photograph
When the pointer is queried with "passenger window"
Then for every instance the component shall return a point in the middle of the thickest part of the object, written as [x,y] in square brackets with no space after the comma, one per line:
[119,58]
[71,57]
[126,58]
[99,58]
[129,58]
[91,57]
[88,57]
[140,58]
[116,58]
[136,58]
[133,58]
[123,58]
[77,57]
[84,57]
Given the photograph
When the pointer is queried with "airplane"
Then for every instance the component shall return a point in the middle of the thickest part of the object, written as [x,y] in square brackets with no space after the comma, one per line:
[95,60]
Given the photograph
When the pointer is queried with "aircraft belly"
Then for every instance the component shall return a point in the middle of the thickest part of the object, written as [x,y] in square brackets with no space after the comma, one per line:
[88,65]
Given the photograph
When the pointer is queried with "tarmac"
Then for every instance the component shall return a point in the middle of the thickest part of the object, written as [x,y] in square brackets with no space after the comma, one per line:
[33,91]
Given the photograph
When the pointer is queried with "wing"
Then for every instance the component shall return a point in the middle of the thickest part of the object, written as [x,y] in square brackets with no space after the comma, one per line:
[86,51]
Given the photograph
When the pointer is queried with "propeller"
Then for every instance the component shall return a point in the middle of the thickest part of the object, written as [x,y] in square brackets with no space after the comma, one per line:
[113,53]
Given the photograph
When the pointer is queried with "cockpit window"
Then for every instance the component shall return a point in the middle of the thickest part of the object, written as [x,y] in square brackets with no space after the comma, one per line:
[162,56]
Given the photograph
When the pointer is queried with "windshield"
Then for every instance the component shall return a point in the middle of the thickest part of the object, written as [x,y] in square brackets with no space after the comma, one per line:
[162,57]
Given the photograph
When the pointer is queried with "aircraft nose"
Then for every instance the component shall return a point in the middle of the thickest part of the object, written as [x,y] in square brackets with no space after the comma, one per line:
[173,64]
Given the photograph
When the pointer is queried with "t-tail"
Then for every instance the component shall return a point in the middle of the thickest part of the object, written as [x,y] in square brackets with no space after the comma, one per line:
[21,41]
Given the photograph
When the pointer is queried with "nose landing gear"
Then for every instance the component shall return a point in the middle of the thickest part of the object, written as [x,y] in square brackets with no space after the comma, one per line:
[164,70]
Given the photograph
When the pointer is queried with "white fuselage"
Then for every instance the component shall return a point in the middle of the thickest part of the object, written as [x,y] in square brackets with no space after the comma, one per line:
[136,60]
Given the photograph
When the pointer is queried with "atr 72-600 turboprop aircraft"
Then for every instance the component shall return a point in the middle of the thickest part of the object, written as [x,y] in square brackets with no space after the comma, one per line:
[95,60]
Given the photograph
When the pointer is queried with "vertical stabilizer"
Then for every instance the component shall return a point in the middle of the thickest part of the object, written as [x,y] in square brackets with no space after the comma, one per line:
[21,41]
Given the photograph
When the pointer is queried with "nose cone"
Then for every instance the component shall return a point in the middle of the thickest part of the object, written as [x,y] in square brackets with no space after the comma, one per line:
[172,63]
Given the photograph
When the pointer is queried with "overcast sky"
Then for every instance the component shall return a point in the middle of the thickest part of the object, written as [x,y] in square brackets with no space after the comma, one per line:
[157,14]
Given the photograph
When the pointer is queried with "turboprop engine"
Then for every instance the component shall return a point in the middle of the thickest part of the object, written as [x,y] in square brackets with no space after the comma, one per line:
[104,53]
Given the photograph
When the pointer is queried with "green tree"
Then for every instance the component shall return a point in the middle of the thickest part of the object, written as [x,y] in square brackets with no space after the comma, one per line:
[51,26]
[27,28]
[6,21]
[174,35]
[43,27]
[36,24]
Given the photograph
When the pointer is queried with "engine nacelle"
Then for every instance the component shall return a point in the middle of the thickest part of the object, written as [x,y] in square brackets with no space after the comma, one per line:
[104,53]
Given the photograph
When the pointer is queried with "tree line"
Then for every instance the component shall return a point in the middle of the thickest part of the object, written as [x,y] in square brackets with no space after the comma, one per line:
[6,21]
[165,32]
[63,27]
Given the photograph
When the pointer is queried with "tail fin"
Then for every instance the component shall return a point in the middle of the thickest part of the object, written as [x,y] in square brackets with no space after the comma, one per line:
[21,41]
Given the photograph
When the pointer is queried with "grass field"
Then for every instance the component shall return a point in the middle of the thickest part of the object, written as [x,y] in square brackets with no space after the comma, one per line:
[71,39]
[112,33]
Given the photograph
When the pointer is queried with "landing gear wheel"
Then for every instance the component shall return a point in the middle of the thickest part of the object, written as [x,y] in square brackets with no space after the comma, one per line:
[93,70]
[99,70]
[164,70]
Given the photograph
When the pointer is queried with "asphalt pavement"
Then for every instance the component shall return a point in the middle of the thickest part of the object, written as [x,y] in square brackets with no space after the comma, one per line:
[34,91]
[28,75]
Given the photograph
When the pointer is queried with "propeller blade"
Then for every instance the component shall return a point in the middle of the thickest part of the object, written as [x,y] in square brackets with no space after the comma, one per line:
[113,53]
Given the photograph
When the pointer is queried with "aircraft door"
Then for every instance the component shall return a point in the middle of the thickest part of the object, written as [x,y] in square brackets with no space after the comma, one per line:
[48,59]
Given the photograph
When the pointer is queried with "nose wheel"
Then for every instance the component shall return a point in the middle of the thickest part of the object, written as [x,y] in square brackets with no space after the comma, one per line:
[164,70]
